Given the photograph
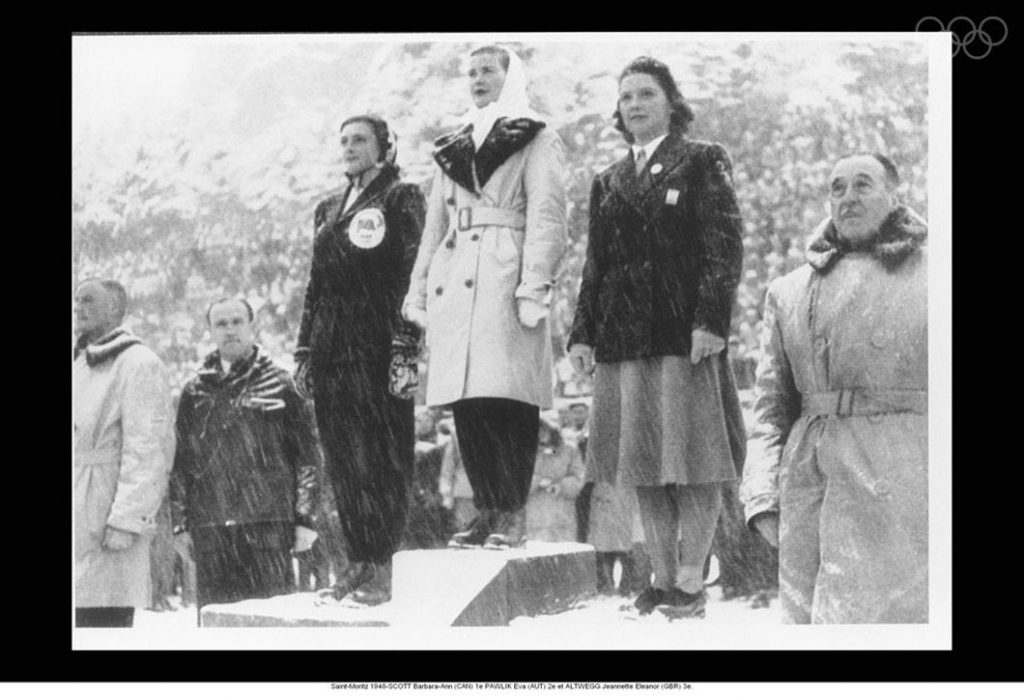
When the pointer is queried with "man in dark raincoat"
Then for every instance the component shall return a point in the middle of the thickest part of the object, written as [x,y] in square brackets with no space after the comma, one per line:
[243,487]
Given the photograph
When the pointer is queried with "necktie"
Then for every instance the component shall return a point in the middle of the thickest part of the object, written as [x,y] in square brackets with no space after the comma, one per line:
[641,161]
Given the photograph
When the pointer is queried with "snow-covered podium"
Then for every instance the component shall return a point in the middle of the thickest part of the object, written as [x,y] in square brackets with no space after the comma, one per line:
[448,587]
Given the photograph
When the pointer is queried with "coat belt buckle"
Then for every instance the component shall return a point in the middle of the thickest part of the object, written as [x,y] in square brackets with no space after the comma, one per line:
[465,218]
[844,403]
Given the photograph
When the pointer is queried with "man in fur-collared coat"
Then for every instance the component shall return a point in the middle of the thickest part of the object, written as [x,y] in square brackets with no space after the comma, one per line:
[837,474]
[124,442]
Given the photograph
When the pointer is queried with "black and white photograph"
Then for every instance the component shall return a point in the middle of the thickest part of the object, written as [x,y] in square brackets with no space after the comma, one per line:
[548,341]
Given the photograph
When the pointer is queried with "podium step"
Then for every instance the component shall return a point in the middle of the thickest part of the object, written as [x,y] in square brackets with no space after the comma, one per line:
[446,587]
[479,587]
[297,610]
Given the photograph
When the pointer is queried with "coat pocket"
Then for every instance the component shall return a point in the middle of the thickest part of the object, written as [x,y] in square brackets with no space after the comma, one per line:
[95,488]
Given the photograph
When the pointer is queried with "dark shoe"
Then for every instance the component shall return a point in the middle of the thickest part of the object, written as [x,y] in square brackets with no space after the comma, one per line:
[649,599]
[677,604]
[475,536]
[509,531]
[376,589]
[354,576]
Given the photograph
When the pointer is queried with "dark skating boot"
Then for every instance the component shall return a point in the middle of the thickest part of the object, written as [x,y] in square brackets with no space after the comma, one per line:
[353,576]
[477,533]
[376,589]
[509,531]
[677,604]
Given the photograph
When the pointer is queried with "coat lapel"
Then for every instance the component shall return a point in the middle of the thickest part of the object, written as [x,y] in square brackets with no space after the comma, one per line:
[624,182]
[670,155]
[369,196]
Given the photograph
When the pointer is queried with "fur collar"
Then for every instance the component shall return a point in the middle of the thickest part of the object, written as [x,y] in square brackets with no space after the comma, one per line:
[456,155]
[107,347]
[211,370]
[902,233]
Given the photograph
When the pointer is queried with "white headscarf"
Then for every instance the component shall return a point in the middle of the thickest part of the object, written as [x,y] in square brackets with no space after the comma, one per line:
[512,103]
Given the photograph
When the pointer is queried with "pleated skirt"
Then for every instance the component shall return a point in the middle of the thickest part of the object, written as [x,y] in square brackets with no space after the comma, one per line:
[661,420]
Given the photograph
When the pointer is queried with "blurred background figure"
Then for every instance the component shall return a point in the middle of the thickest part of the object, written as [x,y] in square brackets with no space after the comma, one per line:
[617,536]
[326,561]
[557,480]
[429,521]
[456,491]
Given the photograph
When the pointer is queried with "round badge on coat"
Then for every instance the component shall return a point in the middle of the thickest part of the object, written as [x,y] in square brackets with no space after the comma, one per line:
[366,229]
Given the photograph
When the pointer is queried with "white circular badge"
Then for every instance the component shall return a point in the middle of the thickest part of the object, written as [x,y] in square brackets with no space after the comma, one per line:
[366,229]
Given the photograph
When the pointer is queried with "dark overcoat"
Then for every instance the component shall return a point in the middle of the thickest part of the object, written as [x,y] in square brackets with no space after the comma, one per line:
[246,448]
[353,300]
[351,325]
[665,253]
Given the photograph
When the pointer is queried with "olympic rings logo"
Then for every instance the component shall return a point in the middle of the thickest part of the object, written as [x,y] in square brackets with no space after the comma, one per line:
[975,35]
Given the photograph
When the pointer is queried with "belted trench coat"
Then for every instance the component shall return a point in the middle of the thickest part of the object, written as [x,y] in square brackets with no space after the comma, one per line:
[840,444]
[483,248]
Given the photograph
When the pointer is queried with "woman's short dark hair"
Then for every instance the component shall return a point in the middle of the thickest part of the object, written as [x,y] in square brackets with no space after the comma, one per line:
[501,53]
[682,113]
[380,131]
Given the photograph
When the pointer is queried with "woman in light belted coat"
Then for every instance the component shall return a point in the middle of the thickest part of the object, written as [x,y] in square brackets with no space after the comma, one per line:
[481,286]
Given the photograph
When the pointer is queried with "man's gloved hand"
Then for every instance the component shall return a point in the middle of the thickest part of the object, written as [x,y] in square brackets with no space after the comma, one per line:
[704,344]
[304,538]
[581,357]
[404,372]
[118,539]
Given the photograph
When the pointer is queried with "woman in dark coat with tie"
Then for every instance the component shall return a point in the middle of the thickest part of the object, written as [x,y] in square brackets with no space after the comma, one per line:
[663,263]
[357,357]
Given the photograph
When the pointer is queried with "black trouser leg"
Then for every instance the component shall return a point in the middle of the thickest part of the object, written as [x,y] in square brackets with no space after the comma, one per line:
[368,438]
[104,617]
[498,441]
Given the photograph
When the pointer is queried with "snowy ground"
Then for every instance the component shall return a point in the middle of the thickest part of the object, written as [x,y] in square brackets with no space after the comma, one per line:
[601,610]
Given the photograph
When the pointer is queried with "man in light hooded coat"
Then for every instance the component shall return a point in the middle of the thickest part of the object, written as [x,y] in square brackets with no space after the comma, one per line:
[837,471]
[124,444]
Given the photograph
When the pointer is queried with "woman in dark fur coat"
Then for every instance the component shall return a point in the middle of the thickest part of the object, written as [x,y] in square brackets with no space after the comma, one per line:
[357,357]
[663,263]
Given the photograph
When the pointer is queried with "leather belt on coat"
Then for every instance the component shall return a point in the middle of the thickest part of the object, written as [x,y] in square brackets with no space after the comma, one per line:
[96,457]
[474,216]
[864,401]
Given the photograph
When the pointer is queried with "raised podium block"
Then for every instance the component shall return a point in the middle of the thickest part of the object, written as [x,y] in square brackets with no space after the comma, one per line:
[296,610]
[478,587]
[446,587]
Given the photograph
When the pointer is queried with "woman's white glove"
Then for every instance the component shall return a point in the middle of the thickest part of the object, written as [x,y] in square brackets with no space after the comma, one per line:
[704,344]
[415,315]
[531,312]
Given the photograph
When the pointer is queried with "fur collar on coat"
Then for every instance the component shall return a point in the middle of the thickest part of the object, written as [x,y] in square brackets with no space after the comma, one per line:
[902,233]
[107,347]
[456,155]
